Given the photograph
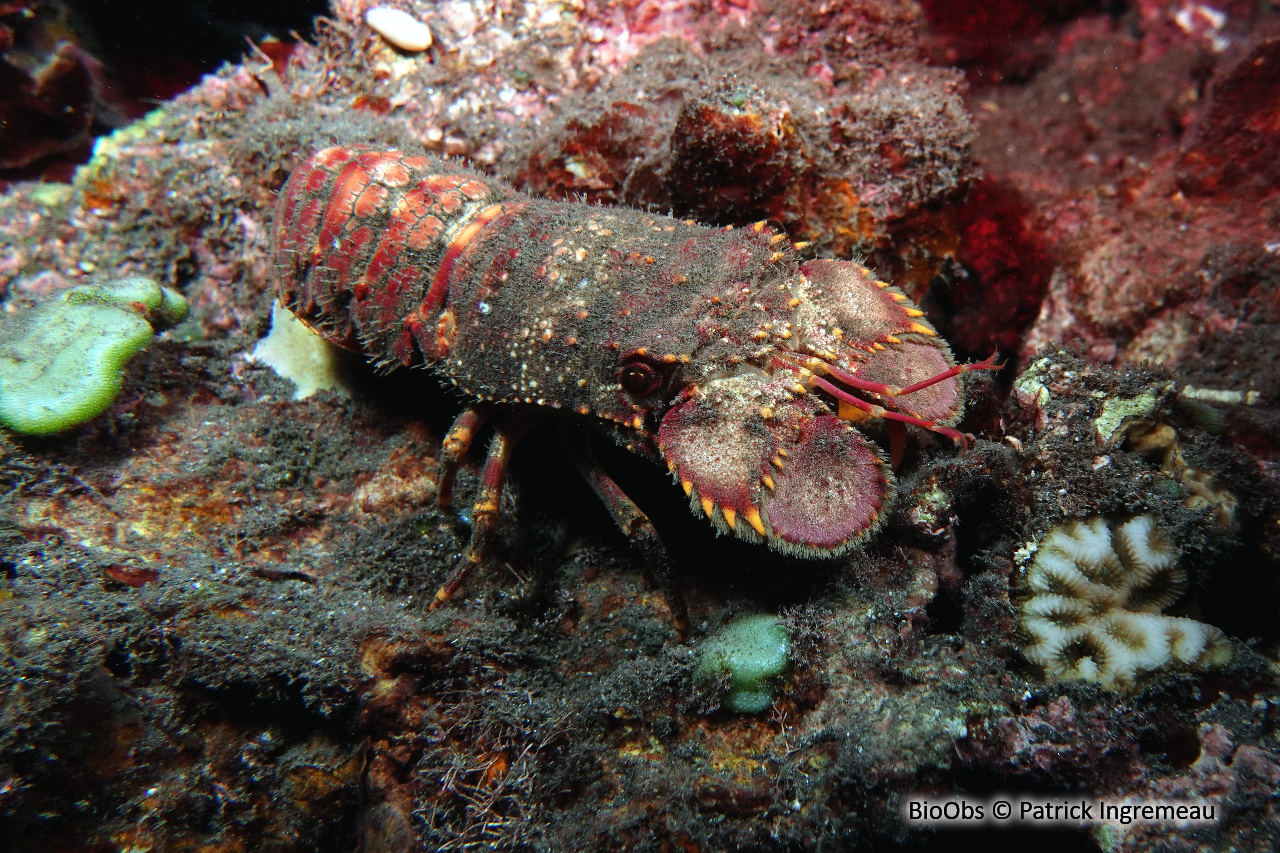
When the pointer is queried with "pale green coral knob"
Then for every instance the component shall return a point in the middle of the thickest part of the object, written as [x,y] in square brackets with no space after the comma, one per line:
[61,360]
[753,651]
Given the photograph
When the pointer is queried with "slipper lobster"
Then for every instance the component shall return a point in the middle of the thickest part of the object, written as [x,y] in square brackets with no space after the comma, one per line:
[720,352]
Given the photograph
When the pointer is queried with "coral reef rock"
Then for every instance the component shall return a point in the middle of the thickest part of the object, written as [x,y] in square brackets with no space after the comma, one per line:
[1094,612]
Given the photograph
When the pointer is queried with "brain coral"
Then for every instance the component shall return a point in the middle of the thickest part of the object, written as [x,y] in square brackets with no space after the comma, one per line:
[1094,611]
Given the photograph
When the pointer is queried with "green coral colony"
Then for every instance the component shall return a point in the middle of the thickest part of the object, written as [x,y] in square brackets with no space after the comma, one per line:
[752,651]
[61,360]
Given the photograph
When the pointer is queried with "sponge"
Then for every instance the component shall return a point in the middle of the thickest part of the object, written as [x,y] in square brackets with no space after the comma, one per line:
[300,355]
[753,651]
[61,360]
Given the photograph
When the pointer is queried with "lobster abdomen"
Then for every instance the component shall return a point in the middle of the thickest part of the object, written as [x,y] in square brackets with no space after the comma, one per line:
[361,244]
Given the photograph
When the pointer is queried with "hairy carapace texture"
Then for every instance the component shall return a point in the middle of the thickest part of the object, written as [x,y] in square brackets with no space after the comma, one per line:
[720,352]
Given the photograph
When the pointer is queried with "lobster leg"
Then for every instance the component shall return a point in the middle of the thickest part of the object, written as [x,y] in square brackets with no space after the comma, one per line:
[485,511]
[632,521]
[456,444]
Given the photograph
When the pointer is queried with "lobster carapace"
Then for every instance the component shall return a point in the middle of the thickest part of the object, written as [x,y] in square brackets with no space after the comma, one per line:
[720,352]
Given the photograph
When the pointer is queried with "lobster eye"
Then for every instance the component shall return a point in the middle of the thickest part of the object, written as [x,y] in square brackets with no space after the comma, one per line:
[639,379]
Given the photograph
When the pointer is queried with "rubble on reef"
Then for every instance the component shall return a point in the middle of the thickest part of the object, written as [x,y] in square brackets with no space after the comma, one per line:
[213,596]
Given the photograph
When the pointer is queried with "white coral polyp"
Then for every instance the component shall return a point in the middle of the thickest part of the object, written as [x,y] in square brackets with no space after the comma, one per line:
[1094,610]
